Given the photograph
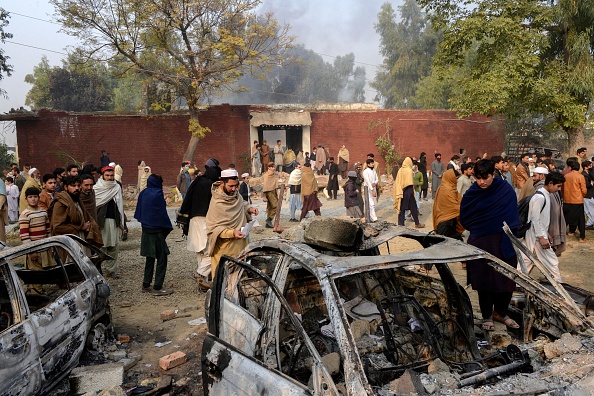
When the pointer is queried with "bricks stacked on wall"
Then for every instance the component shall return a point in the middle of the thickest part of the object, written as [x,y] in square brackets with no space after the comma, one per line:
[161,140]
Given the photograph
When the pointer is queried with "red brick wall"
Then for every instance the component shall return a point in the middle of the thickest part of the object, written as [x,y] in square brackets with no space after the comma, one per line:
[161,140]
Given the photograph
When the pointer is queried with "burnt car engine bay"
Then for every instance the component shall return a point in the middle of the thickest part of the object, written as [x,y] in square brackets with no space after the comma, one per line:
[402,318]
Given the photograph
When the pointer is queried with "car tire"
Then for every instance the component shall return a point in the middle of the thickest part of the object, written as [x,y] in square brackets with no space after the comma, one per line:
[97,338]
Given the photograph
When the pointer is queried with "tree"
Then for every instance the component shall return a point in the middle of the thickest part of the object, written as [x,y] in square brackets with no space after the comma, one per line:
[5,68]
[519,57]
[76,86]
[196,48]
[407,47]
[5,158]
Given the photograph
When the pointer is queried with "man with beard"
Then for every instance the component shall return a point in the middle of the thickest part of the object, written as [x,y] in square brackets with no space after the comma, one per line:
[538,178]
[343,161]
[68,216]
[370,181]
[32,181]
[196,207]
[110,216]
[47,194]
[265,153]
[436,174]
[87,195]
[227,214]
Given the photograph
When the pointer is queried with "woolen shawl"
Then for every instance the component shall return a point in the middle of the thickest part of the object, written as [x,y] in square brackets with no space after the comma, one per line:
[483,211]
[447,200]
[225,212]
[151,208]
[344,154]
[108,190]
[404,178]
[309,184]
[295,177]
[269,181]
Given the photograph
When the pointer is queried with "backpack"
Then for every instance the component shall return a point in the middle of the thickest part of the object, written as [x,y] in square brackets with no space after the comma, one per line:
[523,208]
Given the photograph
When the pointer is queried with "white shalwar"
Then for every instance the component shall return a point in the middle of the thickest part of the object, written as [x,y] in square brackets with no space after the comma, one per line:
[539,226]
[197,242]
[370,180]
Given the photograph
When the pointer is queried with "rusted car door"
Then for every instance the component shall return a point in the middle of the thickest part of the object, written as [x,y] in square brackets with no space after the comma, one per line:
[20,371]
[231,353]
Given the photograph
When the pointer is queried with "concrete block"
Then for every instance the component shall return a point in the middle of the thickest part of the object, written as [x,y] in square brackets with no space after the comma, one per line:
[170,361]
[332,233]
[359,329]
[437,366]
[117,355]
[332,362]
[408,384]
[96,378]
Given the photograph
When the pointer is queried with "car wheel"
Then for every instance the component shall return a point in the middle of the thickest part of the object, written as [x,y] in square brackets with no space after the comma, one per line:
[97,338]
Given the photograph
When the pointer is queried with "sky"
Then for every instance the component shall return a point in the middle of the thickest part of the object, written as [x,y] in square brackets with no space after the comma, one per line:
[328,27]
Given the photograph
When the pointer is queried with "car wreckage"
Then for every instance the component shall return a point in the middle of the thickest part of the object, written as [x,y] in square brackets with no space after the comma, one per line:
[48,316]
[330,315]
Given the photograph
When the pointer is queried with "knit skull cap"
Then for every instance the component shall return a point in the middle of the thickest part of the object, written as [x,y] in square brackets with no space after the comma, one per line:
[211,163]
[541,170]
[31,171]
[352,174]
[229,173]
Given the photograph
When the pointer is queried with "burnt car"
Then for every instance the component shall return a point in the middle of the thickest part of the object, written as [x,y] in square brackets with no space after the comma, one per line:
[48,316]
[331,315]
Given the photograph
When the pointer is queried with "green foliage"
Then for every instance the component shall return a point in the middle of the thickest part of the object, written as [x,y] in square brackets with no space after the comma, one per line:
[6,158]
[76,86]
[385,146]
[5,68]
[302,77]
[518,57]
[407,47]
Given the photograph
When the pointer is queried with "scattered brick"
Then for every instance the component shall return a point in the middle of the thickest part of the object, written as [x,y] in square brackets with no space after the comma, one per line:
[123,338]
[173,360]
[168,315]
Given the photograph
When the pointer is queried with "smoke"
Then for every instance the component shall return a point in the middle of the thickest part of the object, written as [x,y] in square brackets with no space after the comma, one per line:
[334,28]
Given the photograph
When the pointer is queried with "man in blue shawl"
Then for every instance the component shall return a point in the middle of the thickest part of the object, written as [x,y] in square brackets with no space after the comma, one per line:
[151,212]
[485,206]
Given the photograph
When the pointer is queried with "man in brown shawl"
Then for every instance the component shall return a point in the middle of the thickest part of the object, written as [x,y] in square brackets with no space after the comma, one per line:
[309,192]
[68,216]
[343,161]
[87,195]
[269,188]
[265,154]
[227,214]
[321,160]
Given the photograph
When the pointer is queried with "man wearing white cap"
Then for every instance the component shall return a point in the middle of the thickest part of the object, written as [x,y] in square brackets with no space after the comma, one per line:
[537,239]
[227,214]
[538,176]
[32,181]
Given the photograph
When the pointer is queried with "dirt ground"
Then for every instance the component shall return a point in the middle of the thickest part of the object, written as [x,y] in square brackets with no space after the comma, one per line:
[137,314]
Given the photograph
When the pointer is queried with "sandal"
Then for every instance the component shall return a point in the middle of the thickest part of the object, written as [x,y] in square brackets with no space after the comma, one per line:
[506,320]
[488,325]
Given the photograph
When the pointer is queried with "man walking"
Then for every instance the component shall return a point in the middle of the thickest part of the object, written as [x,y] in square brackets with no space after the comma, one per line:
[183,179]
[269,188]
[110,216]
[537,239]
[295,202]
[309,192]
[437,170]
[522,172]
[423,170]
[226,215]
[151,212]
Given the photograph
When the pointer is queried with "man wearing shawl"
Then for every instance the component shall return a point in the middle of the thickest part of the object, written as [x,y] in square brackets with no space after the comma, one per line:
[423,170]
[151,212]
[436,174]
[32,181]
[295,202]
[141,166]
[269,187]
[68,216]
[404,194]
[343,161]
[143,179]
[110,216]
[196,206]
[289,160]
[485,206]
[309,192]
[446,207]
[351,196]
[321,160]
[227,214]
[265,151]
[87,195]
